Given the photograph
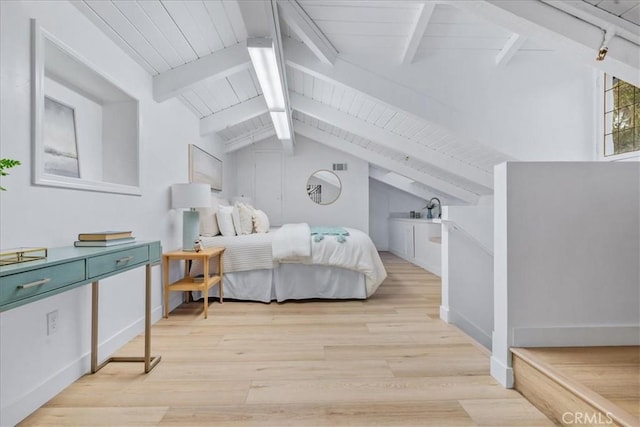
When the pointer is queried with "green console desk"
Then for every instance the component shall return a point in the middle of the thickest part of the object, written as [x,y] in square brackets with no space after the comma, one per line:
[67,268]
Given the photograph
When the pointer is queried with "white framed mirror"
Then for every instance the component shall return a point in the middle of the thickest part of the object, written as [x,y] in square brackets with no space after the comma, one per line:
[324,187]
[85,129]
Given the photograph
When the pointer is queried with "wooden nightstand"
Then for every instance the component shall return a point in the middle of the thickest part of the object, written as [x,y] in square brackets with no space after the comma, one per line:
[187,283]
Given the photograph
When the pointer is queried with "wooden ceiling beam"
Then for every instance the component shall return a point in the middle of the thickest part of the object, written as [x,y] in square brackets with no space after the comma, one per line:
[348,75]
[509,50]
[417,32]
[217,65]
[389,139]
[409,186]
[304,27]
[238,113]
[569,34]
[245,140]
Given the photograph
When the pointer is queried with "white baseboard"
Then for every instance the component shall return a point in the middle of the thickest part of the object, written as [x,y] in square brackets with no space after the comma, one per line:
[576,336]
[430,268]
[470,328]
[398,254]
[501,372]
[23,406]
[444,313]
[19,409]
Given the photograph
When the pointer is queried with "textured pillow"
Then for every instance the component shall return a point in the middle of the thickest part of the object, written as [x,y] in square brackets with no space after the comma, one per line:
[208,222]
[260,221]
[246,218]
[225,221]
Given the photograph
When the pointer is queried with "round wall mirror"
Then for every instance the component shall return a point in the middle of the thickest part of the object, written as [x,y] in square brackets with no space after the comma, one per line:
[324,187]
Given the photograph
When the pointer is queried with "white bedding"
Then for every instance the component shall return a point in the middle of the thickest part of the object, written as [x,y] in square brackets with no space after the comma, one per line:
[242,253]
[255,251]
[292,243]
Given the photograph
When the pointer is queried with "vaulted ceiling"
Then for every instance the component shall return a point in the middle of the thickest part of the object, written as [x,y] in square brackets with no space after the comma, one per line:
[196,52]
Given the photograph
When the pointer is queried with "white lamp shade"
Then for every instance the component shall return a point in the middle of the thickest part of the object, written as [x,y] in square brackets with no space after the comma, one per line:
[193,195]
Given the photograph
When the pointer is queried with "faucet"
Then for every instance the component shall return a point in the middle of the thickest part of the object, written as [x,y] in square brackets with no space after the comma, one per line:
[431,205]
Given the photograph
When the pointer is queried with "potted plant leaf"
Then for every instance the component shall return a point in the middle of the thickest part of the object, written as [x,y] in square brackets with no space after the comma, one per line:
[7,164]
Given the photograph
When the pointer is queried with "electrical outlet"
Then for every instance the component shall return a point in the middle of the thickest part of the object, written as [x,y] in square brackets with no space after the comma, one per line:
[52,322]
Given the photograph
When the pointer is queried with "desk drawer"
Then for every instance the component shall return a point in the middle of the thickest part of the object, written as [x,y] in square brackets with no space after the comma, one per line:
[30,283]
[104,264]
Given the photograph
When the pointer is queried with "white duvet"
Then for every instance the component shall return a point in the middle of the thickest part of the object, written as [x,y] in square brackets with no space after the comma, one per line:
[357,253]
[290,243]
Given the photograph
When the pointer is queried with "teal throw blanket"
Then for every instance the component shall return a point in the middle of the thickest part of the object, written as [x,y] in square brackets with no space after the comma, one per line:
[318,233]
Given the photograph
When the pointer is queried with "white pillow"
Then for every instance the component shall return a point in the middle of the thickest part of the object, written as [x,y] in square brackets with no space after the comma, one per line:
[225,221]
[246,218]
[235,215]
[260,221]
[208,222]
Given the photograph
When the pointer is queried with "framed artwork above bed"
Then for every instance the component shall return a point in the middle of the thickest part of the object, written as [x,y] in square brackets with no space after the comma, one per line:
[205,168]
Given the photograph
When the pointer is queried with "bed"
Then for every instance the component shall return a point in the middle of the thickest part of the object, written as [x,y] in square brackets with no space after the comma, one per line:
[297,262]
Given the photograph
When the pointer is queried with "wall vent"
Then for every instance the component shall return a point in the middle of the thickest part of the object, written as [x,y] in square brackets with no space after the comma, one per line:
[339,166]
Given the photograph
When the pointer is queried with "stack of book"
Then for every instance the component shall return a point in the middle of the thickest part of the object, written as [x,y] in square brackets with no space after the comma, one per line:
[104,238]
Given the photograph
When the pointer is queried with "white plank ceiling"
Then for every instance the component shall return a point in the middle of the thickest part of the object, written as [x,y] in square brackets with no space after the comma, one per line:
[164,35]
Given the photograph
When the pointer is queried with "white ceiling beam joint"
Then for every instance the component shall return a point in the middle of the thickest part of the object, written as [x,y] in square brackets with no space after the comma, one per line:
[417,32]
[603,19]
[509,50]
[245,140]
[576,37]
[238,113]
[217,65]
[304,27]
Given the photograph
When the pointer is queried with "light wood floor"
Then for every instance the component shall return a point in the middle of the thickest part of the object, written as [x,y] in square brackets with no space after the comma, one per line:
[385,361]
[611,372]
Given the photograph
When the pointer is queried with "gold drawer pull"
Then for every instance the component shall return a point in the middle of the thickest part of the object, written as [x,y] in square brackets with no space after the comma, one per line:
[123,260]
[33,284]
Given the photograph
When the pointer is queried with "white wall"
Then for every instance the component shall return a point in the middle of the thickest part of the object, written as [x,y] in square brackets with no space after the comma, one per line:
[386,201]
[467,270]
[34,367]
[351,209]
[567,245]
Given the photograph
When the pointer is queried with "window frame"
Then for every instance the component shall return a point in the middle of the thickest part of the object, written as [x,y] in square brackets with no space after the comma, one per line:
[601,124]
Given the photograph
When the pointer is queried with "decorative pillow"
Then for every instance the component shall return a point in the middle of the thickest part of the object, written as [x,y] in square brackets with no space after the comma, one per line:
[235,215]
[208,222]
[260,221]
[246,218]
[225,221]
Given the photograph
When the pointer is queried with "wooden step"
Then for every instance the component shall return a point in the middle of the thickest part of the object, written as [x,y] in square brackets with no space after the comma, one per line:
[581,386]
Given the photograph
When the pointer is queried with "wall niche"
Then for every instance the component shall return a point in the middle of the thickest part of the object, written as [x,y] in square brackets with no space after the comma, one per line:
[85,129]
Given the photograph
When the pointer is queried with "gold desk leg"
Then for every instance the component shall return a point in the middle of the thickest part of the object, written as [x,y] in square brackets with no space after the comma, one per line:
[94,327]
[149,361]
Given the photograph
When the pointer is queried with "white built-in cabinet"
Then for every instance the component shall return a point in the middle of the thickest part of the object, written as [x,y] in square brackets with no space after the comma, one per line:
[417,241]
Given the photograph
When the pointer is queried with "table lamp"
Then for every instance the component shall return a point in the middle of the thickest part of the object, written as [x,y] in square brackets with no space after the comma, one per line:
[191,196]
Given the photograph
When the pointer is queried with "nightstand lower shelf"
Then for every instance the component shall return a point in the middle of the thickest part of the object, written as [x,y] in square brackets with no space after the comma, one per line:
[187,283]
